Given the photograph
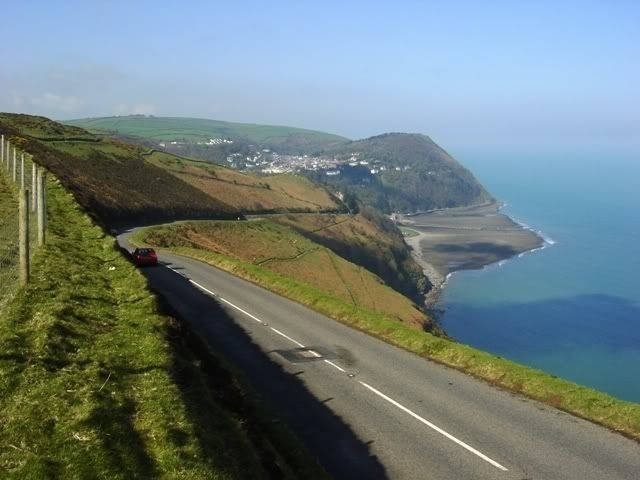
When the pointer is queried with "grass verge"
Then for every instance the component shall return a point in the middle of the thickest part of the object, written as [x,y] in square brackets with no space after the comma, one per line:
[598,407]
[97,381]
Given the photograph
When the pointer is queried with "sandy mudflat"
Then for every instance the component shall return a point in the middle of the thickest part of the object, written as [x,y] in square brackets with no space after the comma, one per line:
[465,238]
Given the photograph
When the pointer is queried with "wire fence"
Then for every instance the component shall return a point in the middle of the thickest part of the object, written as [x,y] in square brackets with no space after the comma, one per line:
[19,176]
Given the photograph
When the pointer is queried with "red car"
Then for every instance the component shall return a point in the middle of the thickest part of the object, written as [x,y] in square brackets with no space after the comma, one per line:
[143,257]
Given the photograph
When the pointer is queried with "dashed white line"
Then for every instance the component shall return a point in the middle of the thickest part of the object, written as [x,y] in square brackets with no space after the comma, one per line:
[287,337]
[434,427]
[227,302]
[335,366]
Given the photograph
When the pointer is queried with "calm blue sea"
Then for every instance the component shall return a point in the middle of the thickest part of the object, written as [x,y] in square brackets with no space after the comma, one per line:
[573,308]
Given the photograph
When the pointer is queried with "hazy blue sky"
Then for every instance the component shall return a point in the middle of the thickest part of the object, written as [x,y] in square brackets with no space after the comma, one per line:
[482,73]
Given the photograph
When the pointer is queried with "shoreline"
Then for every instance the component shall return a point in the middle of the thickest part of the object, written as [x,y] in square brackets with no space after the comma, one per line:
[467,238]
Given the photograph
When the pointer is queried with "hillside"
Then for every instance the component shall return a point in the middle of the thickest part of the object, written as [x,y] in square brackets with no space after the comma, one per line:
[412,173]
[249,193]
[262,249]
[369,240]
[119,184]
[192,130]
[391,172]
[98,381]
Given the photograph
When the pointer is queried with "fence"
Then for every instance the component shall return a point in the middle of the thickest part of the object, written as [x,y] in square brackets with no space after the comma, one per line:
[22,216]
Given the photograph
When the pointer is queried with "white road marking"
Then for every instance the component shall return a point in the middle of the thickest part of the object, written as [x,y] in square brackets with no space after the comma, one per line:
[335,366]
[434,427]
[288,337]
[366,385]
[227,302]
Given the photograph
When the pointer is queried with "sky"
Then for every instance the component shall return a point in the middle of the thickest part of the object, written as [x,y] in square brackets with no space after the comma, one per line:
[492,74]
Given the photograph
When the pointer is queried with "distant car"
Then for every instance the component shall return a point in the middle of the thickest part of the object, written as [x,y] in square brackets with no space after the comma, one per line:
[144,257]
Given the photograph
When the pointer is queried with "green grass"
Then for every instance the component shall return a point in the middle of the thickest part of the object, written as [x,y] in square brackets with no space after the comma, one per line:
[409,232]
[198,129]
[618,415]
[8,239]
[96,381]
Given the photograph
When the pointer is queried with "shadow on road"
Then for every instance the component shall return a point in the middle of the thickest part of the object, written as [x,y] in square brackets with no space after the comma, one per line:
[324,434]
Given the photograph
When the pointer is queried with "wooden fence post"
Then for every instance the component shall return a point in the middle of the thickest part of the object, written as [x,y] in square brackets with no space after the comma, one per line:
[2,150]
[22,171]
[34,188]
[15,166]
[41,207]
[23,236]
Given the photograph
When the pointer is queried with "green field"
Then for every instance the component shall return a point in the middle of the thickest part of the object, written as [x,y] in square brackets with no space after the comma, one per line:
[409,232]
[199,129]
[97,382]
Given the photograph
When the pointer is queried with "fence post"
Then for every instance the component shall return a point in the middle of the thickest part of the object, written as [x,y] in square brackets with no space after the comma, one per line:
[41,207]
[23,238]
[22,171]
[34,188]
[2,150]
[15,167]
[7,153]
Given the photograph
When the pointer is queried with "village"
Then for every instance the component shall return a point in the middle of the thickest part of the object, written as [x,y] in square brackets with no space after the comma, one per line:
[268,162]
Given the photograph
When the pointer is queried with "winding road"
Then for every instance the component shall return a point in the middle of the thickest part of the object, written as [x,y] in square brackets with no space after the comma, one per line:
[368,410]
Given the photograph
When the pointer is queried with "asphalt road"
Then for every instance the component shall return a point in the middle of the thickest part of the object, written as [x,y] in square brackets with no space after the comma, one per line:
[369,410]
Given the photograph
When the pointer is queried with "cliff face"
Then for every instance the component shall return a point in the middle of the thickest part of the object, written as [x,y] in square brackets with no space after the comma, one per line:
[412,173]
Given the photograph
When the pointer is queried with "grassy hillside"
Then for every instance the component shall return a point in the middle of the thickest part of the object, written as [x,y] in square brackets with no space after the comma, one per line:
[369,240]
[307,271]
[110,178]
[120,184]
[248,193]
[418,175]
[97,382]
[198,129]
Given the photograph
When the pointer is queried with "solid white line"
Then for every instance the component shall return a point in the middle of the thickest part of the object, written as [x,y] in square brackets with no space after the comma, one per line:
[335,366]
[436,428]
[288,338]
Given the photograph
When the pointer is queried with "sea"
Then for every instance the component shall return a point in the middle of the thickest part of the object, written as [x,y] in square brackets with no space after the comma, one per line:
[571,308]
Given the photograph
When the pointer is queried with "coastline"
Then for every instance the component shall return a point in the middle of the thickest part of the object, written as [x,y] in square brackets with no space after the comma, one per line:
[446,241]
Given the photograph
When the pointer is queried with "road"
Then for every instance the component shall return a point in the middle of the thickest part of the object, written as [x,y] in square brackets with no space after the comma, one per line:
[369,410]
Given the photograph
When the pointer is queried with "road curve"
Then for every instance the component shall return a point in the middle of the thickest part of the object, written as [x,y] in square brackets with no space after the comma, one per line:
[367,409]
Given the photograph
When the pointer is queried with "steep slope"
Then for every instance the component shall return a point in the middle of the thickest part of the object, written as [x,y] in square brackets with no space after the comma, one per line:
[121,183]
[110,179]
[369,240]
[197,129]
[249,193]
[277,257]
[412,173]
